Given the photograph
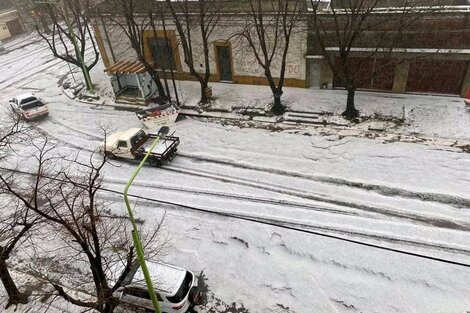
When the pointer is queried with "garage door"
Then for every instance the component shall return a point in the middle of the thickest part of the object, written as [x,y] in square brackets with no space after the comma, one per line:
[436,76]
[375,74]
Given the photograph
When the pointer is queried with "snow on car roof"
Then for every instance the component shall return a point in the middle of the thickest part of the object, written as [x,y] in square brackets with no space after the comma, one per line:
[24,96]
[121,135]
[166,278]
[127,134]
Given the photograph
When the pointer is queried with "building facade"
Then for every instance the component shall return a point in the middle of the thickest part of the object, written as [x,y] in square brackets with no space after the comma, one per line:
[231,59]
[10,24]
[432,54]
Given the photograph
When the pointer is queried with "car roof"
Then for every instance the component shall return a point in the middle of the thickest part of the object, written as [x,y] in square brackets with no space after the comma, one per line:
[127,134]
[166,278]
[24,96]
[121,135]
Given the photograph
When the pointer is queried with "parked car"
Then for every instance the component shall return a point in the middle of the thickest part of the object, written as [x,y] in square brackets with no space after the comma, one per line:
[29,106]
[177,289]
[134,144]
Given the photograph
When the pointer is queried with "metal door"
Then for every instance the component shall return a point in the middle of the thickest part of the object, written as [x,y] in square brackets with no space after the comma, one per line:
[314,73]
[225,63]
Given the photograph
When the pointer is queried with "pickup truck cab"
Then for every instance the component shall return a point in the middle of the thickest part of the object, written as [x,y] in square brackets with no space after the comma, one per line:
[134,144]
[29,106]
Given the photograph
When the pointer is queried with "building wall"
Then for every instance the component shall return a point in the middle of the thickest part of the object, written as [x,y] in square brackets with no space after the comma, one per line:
[10,24]
[441,67]
[245,69]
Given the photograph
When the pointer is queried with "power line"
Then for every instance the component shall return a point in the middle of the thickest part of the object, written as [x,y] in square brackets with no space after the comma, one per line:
[264,222]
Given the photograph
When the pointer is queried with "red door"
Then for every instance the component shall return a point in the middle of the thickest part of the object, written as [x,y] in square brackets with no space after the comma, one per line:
[436,76]
[375,74]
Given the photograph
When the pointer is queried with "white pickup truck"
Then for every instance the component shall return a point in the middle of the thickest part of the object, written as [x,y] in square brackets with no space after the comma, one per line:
[29,107]
[134,144]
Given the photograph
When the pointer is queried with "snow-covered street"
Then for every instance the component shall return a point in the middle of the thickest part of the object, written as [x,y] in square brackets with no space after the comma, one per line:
[402,195]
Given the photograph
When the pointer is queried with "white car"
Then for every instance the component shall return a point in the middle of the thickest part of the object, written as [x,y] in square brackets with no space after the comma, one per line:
[177,289]
[29,106]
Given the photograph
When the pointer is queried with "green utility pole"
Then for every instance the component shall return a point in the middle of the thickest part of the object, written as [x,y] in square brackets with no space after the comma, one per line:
[135,233]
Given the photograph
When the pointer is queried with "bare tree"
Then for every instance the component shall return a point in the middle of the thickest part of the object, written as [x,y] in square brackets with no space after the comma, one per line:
[71,34]
[15,222]
[11,127]
[268,32]
[348,24]
[196,19]
[96,245]
[134,26]
[15,225]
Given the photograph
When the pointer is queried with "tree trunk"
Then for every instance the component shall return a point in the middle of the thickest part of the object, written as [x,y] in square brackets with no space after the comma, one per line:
[45,26]
[204,98]
[14,296]
[160,89]
[351,111]
[278,108]
[86,75]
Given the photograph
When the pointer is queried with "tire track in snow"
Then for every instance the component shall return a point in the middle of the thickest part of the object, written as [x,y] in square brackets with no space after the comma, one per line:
[48,63]
[349,231]
[319,198]
[352,233]
[456,201]
[302,194]
[247,198]
[76,130]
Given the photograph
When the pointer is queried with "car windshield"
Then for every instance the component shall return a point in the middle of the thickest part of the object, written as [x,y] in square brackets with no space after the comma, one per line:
[30,104]
[183,290]
[138,138]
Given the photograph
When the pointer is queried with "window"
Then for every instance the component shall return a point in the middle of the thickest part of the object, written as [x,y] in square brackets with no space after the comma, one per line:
[140,293]
[138,139]
[29,99]
[30,103]
[4,28]
[162,52]
[122,144]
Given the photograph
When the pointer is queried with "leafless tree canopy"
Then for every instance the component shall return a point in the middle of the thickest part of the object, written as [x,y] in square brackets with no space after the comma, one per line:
[135,18]
[91,241]
[71,35]
[268,32]
[347,24]
[15,221]
[196,20]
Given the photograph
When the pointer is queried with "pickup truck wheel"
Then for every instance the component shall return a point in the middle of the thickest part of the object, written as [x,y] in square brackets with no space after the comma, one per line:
[155,162]
[110,155]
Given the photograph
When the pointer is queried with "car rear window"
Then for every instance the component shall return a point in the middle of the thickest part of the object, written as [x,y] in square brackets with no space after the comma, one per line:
[31,105]
[138,138]
[183,290]
[140,293]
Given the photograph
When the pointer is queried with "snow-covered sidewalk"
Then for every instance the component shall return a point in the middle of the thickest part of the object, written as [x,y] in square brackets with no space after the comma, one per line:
[429,115]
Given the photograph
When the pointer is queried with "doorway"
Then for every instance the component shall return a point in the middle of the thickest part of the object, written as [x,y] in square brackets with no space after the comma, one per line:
[224,62]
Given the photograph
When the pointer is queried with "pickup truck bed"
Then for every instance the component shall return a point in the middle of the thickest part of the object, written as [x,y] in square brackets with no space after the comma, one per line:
[165,151]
